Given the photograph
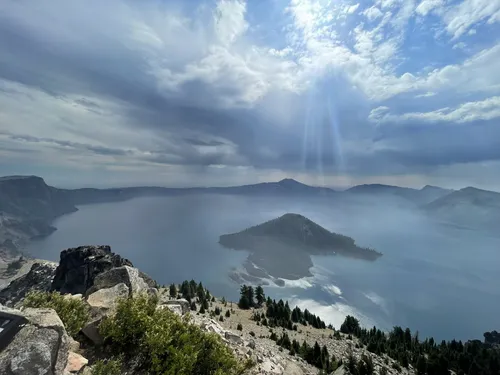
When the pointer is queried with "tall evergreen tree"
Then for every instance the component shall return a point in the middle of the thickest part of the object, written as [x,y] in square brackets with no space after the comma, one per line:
[259,295]
[244,302]
[173,291]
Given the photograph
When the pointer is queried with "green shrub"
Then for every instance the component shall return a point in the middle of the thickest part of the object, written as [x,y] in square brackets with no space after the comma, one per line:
[109,367]
[228,314]
[239,327]
[164,342]
[74,312]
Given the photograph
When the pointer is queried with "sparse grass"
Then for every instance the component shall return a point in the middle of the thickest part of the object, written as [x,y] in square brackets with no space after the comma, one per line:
[74,312]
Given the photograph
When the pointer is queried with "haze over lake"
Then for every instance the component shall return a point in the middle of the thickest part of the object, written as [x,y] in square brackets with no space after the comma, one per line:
[437,279]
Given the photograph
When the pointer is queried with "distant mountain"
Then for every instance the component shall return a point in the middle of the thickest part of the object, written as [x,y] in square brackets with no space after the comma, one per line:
[31,197]
[418,196]
[469,206]
[282,246]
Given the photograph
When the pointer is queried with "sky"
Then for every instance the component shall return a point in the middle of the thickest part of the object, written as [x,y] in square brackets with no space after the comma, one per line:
[216,93]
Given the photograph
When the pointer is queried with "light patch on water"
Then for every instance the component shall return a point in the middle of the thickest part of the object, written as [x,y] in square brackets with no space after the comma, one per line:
[332,289]
[331,314]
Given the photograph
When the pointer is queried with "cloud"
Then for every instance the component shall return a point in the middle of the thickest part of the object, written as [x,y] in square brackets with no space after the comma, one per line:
[426,6]
[372,13]
[230,91]
[425,95]
[483,110]
[352,8]
[459,18]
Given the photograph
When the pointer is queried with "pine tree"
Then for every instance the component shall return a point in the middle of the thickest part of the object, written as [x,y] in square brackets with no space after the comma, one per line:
[173,291]
[244,302]
[250,296]
[259,295]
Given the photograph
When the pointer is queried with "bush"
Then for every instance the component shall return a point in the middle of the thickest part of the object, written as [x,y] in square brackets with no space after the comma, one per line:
[221,318]
[164,342]
[252,333]
[74,312]
[239,327]
[396,366]
[110,367]
[228,314]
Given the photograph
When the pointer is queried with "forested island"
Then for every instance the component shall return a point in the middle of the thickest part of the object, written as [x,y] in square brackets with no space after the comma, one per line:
[282,247]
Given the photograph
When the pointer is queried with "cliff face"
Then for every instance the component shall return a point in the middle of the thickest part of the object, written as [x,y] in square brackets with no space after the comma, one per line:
[27,207]
[30,197]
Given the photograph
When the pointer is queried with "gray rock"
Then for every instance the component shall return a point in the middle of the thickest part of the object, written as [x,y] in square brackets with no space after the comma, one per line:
[251,344]
[127,275]
[78,267]
[182,303]
[91,330]
[40,347]
[235,339]
[39,278]
[292,369]
[107,298]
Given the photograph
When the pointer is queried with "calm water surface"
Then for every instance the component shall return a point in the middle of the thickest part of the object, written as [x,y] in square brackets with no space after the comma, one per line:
[435,279]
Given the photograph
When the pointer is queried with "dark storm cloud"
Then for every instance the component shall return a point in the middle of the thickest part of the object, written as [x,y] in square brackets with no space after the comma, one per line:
[327,132]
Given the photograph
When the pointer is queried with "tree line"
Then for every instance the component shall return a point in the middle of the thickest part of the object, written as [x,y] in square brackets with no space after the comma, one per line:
[278,314]
[429,357]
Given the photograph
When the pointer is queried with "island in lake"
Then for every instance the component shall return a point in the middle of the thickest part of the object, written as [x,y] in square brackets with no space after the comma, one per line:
[282,248]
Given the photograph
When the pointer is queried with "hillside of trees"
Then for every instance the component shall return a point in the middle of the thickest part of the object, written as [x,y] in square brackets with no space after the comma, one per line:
[429,357]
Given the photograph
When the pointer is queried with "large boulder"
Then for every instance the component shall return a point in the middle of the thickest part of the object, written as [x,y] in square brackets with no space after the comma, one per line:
[180,306]
[40,347]
[127,275]
[39,278]
[107,298]
[78,267]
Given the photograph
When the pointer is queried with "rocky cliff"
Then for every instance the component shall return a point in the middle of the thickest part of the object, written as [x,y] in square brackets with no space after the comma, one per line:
[27,207]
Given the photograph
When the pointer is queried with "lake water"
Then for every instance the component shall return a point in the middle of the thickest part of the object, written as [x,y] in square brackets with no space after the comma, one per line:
[436,279]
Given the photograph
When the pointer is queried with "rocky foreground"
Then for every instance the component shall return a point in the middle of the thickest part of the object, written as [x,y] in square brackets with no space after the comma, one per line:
[99,277]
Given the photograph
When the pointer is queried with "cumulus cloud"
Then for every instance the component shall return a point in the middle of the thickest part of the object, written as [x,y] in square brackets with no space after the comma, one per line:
[225,89]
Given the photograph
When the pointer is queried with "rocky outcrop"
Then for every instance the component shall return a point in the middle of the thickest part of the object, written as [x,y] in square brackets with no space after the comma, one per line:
[78,267]
[39,278]
[126,275]
[40,347]
[179,306]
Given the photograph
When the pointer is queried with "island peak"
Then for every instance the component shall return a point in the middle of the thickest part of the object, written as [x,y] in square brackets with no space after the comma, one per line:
[295,238]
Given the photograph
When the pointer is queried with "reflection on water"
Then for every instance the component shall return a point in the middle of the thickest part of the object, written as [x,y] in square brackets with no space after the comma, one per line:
[439,280]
